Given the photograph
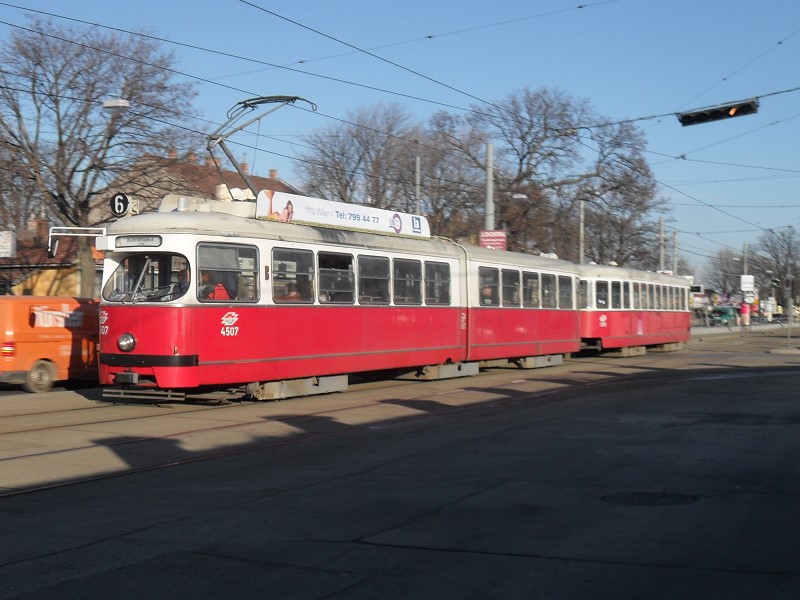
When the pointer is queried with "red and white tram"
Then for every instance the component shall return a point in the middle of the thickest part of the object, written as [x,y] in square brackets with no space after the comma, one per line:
[206,295]
[629,310]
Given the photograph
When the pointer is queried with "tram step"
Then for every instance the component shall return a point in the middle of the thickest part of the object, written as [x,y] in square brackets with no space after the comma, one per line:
[434,372]
[292,388]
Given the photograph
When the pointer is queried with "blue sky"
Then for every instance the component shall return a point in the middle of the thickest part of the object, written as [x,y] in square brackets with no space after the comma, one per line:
[726,182]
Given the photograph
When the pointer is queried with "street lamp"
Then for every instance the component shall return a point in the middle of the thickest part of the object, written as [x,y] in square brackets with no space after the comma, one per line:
[517,197]
[116,106]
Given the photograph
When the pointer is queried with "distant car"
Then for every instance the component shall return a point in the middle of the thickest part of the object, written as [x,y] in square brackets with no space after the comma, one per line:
[723,315]
[779,318]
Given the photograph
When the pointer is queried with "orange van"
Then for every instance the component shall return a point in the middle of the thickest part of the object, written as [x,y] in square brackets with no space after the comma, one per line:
[45,339]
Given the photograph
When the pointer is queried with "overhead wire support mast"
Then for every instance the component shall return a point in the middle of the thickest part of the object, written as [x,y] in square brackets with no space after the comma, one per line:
[224,131]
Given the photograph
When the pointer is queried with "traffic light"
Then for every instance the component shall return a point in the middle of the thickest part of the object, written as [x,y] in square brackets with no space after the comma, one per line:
[717,113]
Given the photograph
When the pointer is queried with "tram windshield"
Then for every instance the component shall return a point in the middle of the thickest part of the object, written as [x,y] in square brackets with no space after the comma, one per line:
[157,277]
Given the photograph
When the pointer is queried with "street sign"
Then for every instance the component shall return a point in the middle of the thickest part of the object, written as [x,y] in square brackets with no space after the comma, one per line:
[748,283]
[493,238]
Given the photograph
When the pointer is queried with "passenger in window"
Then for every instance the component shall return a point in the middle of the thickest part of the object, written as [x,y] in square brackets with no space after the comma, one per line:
[487,298]
[212,287]
[305,289]
[292,294]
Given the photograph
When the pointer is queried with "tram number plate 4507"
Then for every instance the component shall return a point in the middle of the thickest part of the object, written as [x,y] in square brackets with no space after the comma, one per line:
[228,328]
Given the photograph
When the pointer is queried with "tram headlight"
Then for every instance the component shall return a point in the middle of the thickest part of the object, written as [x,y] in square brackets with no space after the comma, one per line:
[126,342]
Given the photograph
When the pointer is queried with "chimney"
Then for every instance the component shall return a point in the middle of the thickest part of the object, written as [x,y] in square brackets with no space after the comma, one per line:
[273,173]
[245,167]
[172,153]
[42,231]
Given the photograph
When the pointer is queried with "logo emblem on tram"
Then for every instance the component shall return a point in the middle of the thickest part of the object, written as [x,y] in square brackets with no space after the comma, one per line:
[229,318]
[396,223]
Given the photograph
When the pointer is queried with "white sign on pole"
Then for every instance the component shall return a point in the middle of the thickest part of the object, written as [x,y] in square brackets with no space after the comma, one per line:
[748,283]
[8,244]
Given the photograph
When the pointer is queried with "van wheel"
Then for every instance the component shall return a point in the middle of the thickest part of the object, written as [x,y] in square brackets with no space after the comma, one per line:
[40,378]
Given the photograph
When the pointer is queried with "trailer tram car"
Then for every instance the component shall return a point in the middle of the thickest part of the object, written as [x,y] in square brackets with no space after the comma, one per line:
[628,311]
[205,295]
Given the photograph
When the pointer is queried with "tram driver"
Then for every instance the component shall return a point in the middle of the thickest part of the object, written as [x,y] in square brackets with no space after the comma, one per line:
[183,281]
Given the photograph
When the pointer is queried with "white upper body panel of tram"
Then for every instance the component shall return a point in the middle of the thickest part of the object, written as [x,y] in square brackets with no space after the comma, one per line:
[247,219]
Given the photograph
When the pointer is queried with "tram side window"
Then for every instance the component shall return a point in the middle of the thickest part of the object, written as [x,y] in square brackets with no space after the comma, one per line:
[373,280]
[565,292]
[407,281]
[549,291]
[583,294]
[336,281]
[531,297]
[510,287]
[227,272]
[489,281]
[437,283]
[601,294]
[651,297]
[616,294]
[637,301]
[292,275]
[626,294]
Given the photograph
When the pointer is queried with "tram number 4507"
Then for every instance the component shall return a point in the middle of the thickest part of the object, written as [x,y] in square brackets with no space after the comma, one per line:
[229,331]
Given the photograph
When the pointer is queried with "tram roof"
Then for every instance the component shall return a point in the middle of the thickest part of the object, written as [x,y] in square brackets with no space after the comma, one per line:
[616,272]
[237,220]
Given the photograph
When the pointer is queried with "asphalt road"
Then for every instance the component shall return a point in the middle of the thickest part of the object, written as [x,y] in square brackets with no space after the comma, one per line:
[664,476]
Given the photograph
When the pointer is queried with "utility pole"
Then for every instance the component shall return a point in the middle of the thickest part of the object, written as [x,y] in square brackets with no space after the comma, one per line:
[581,223]
[674,252]
[744,259]
[489,218]
[416,181]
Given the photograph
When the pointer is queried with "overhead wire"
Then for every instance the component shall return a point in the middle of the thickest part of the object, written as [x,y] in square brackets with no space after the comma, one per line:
[356,49]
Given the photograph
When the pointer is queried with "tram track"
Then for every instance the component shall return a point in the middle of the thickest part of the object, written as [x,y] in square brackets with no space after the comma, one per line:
[285,417]
[173,435]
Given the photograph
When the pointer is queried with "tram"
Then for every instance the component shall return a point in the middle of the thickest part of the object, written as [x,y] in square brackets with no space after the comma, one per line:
[307,301]
[227,295]
[629,311]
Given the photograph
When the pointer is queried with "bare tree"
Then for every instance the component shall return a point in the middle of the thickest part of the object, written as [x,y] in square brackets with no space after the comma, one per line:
[367,159]
[780,249]
[545,163]
[53,85]
[723,272]
[19,200]
[555,151]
